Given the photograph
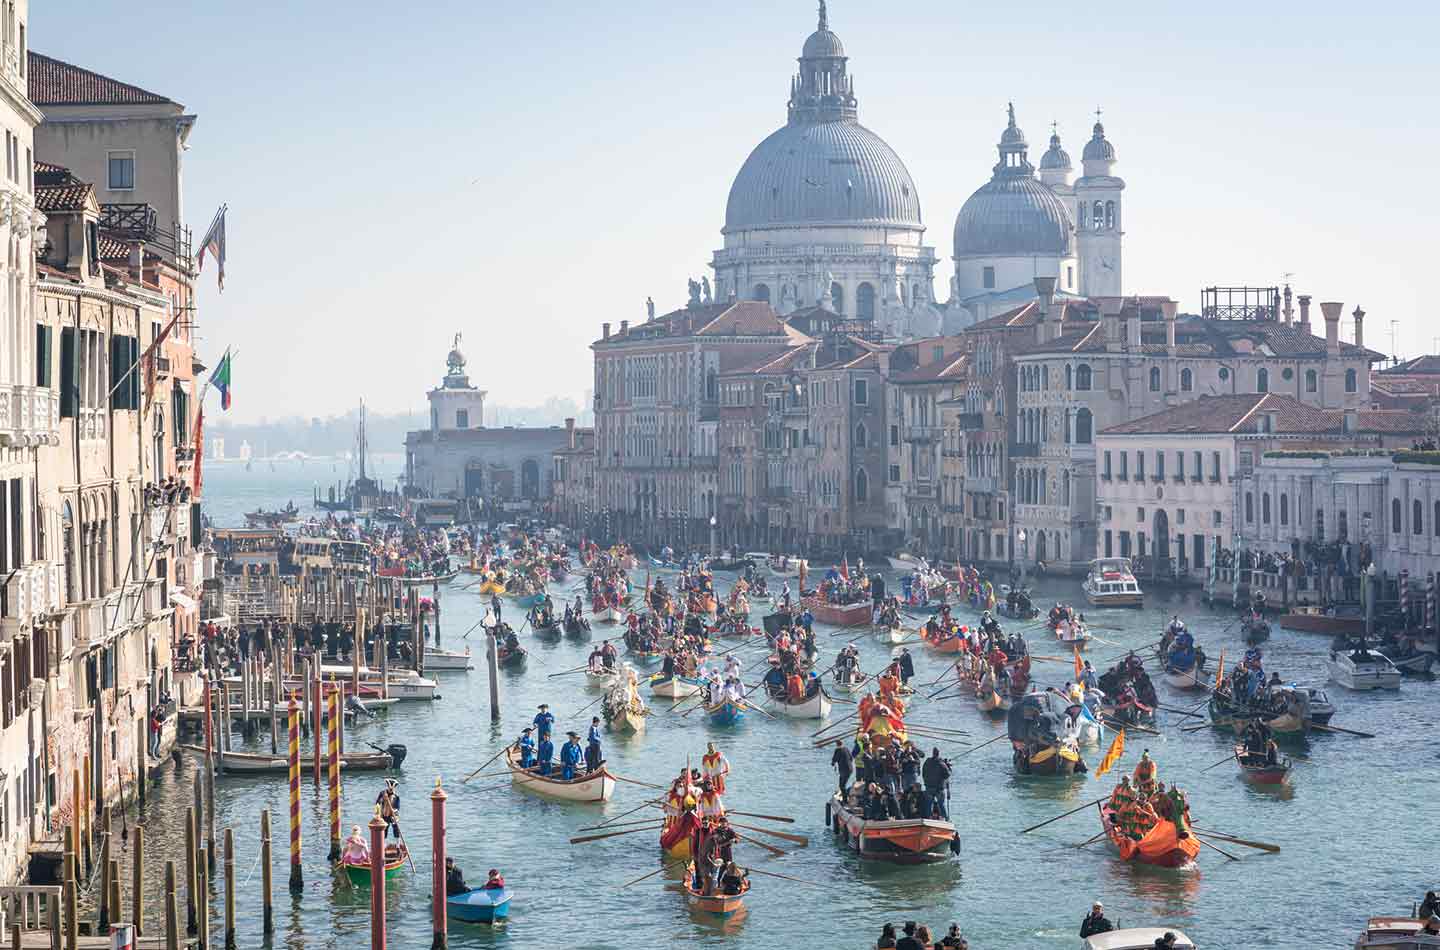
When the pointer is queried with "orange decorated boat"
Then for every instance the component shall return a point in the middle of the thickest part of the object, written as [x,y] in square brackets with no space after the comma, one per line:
[721,904]
[899,841]
[1161,846]
[951,644]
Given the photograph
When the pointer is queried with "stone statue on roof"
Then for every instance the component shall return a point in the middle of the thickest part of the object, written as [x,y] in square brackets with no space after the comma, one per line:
[705,285]
[694,293]
[650,308]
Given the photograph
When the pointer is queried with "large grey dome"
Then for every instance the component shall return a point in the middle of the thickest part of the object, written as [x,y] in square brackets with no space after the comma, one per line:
[1013,216]
[810,173]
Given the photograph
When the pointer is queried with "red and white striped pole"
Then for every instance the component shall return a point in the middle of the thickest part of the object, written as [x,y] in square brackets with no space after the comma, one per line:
[441,940]
[317,727]
[377,881]
[1405,595]
[297,880]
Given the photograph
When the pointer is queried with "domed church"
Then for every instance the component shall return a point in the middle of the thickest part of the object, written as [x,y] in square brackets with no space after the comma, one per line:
[824,212]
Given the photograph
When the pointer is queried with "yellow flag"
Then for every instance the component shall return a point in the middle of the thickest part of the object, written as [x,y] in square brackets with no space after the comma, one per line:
[1079,667]
[1117,749]
[1220,669]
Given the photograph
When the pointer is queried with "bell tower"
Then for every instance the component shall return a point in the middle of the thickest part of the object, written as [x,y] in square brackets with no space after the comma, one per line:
[1099,222]
[455,404]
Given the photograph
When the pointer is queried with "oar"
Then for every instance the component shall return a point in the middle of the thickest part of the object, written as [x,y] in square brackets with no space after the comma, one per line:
[1195,728]
[1066,814]
[623,824]
[985,743]
[768,847]
[654,826]
[783,877]
[482,768]
[1220,763]
[1257,845]
[1348,732]
[752,706]
[1213,848]
[665,867]
[587,705]
[401,835]
[751,814]
[609,821]
[798,839]
[1180,712]
[833,725]
[1134,725]
[621,778]
[568,672]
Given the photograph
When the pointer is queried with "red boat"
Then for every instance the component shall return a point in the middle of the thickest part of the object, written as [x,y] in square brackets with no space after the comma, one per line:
[843,615]
[1161,846]
[1256,771]
[1315,620]
[901,841]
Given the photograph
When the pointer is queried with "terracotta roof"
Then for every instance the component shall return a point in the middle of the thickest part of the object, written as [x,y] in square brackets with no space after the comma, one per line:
[775,363]
[745,318]
[1419,366]
[953,367]
[866,355]
[71,196]
[1422,385]
[56,83]
[740,318]
[1241,414]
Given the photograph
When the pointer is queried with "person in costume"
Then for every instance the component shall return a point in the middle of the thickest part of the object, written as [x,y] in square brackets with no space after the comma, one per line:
[544,753]
[544,722]
[388,803]
[526,746]
[570,756]
[593,757]
[715,767]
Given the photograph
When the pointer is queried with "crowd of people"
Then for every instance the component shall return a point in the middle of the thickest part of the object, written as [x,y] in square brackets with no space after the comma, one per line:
[915,936]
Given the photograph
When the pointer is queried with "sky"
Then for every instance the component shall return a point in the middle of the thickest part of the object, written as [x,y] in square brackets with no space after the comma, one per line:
[522,173]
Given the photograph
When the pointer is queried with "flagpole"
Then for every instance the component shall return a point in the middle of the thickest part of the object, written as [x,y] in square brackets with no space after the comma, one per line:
[149,351]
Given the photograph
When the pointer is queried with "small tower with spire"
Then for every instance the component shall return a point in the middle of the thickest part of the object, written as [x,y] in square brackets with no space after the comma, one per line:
[822,90]
[1099,222]
[455,404]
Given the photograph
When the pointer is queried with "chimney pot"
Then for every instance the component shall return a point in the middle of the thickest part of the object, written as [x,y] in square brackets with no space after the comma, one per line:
[1331,309]
[604,331]
[1359,316]
[624,326]
[1304,312]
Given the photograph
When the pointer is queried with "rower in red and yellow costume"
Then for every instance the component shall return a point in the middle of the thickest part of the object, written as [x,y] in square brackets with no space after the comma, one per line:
[1144,776]
[715,767]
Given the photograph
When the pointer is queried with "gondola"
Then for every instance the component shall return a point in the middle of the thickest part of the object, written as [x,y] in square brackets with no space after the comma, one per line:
[511,659]
[1256,771]
[359,873]
[479,906]
[549,630]
[1255,630]
[627,719]
[597,786]
[577,627]
[427,579]
[229,761]
[991,701]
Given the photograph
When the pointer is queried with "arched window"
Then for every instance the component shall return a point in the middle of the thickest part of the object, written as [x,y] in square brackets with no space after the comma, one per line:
[837,298]
[1109,215]
[1249,508]
[1083,215]
[1312,381]
[1350,381]
[1417,517]
[762,292]
[1065,486]
[1265,508]
[1098,214]
[862,485]
[1187,381]
[865,302]
[1154,379]
[1084,427]
[861,436]
[1262,380]
[1284,508]
[1069,377]
[1395,516]
[1082,377]
[1069,431]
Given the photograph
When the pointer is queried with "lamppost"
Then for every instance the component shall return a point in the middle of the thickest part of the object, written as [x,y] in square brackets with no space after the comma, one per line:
[1024,554]
[712,535]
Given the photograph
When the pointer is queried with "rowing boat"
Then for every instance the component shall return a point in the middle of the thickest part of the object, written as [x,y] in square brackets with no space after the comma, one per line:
[843,615]
[597,786]
[812,707]
[600,679]
[480,906]
[856,685]
[727,713]
[899,841]
[722,905]
[1160,846]
[430,579]
[886,634]
[948,645]
[628,719]
[991,701]
[674,687]
[359,873]
[549,630]
[264,762]
[606,615]
[514,659]
[1261,773]
[447,660]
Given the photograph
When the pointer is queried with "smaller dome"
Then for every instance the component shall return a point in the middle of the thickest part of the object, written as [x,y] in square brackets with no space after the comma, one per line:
[823,44]
[1099,149]
[1012,137]
[1055,158]
[455,359]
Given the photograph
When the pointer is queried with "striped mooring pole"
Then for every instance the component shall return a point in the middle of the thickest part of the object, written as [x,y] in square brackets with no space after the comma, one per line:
[332,710]
[1405,595]
[297,879]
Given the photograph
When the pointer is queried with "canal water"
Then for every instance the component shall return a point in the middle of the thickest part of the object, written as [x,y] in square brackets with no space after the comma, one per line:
[1355,828]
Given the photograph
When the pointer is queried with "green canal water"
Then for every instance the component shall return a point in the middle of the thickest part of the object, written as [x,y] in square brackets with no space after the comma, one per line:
[1355,827]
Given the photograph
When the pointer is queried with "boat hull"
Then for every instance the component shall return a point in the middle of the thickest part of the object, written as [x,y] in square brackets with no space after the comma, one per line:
[905,841]
[725,714]
[1319,623]
[843,615]
[606,615]
[1363,680]
[360,875]
[1262,774]
[721,905]
[816,707]
[448,661]
[1159,847]
[674,687]
[254,762]
[480,906]
[628,720]
[889,634]
[1190,679]
[601,680]
[596,787]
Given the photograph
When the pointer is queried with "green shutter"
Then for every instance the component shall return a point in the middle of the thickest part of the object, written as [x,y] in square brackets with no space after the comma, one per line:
[69,389]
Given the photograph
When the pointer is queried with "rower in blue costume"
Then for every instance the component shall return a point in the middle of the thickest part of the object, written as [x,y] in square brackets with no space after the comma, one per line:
[544,722]
[526,745]
[547,752]
[570,756]
[592,749]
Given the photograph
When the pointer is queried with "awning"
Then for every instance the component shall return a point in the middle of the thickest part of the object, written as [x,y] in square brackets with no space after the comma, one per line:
[184,601]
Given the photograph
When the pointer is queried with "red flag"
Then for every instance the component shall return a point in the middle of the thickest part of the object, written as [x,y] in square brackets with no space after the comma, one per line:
[199,448]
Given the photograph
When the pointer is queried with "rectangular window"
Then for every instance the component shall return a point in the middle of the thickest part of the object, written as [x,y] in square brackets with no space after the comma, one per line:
[1180,516]
[69,387]
[1215,466]
[1198,559]
[43,356]
[894,473]
[1179,466]
[862,393]
[1198,472]
[125,372]
[4,520]
[1124,543]
[17,521]
[1159,465]
[988,278]
[1140,465]
[122,170]
[894,435]
[1140,515]
[1216,518]
[1105,473]
[1108,541]
[462,418]
[1124,466]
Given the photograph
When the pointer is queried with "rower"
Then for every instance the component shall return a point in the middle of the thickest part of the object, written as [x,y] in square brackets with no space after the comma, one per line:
[545,753]
[593,757]
[570,756]
[388,802]
[526,747]
[544,722]
[454,879]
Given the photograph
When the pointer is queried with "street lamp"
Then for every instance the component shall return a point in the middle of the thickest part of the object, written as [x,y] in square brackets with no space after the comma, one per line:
[712,535]
[1024,554]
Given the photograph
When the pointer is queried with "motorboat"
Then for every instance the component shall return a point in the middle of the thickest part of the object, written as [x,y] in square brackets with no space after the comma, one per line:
[1396,933]
[1111,583]
[1362,669]
[479,906]
[1136,938]
[447,660]
[1323,620]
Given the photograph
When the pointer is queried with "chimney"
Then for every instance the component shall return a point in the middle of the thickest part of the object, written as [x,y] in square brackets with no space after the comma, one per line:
[1304,312]
[1289,311]
[1331,309]
[1132,326]
[604,331]
[1049,326]
[570,431]
[1359,316]
[1110,322]
[1169,307]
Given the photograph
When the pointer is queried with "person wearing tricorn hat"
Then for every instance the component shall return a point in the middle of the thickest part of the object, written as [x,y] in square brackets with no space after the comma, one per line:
[570,756]
[544,722]
[388,805]
[526,747]
[545,752]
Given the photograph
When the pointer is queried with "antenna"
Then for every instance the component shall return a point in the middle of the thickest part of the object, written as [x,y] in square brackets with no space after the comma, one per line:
[1394,353]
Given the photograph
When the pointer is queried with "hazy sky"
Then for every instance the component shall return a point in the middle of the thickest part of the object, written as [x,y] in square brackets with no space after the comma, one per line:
[523,172]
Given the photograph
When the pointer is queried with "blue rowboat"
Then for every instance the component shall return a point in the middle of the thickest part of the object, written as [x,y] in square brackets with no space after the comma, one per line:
[725,714]
[480,906]
[529,600]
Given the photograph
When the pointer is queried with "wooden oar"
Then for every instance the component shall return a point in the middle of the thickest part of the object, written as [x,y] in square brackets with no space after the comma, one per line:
[1179,712]
[665,867]
[833,725]
[752,706]
[652,803]
[751,814]
[784,835]
[1197,727]
[1257,845]
[482,768]
[1213,848]
[655,826]
[982,745]
[1220,763]
[768,847]
[783,877]
[621,778]
[1066,814]
[1348,732]
[568,672]
[622,824]
[1130,726]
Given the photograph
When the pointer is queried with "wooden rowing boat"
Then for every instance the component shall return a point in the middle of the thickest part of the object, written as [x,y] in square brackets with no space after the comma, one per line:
[257,762]
[601,679]
[722,905]
[728,713]
[479,906]
[549,631]
[948,645]
[1161,846]
[606,615]
[627,719]
[812,707]
[899,841]
[597,786]
[886,634]
[1261,773]
[426,579]
[992,701]
[843,615]
[674,687]
[514,659]
[359,873]
[856,685]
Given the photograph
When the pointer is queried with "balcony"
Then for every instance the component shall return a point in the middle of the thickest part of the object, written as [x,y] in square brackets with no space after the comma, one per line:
[29,415]
[970,421]
[922,433]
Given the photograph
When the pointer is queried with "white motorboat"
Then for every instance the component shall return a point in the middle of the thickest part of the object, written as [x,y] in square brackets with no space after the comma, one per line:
[1136,938]
[813,707]
[1396,933]
[447,660]
[1111,583]
[1362,669]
